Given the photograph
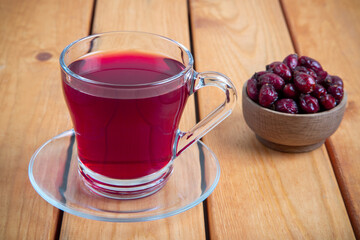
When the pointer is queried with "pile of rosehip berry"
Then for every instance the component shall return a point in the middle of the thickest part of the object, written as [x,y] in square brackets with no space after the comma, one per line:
[295,85]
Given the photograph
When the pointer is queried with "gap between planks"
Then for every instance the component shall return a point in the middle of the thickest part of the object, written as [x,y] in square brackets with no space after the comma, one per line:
[61,212]
[197,115]
[328,143]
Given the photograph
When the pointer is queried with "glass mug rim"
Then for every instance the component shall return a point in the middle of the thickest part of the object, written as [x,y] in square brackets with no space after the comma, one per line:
[94,36]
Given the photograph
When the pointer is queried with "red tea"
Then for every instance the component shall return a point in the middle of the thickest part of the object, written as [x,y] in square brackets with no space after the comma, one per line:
[125,136]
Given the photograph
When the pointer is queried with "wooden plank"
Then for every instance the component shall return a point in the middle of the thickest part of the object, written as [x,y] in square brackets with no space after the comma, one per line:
[31,104]
[331,35]
[168,18]
[262,194]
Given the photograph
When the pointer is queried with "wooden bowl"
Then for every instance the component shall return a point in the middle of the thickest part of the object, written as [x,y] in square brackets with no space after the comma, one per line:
[291,132]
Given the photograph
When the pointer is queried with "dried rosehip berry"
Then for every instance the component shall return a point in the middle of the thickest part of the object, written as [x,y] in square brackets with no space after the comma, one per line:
[327,81]
[310,63]
[286,105]
[304,82]
[336,91]
[259,74]
[321,76]
[252,89]
[306,70]
[333,80]
[280,69]
[319,91]
[289,91]
[291,61]
[267,95]
[328,101]
[273,79]
[309,104]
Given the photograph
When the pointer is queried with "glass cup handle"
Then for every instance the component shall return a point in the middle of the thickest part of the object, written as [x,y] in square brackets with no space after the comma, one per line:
[204,79]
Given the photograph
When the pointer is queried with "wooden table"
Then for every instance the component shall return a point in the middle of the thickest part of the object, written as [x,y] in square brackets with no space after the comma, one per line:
[262,194]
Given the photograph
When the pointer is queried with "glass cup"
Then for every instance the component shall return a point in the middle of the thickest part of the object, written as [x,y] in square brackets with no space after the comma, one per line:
[126,92]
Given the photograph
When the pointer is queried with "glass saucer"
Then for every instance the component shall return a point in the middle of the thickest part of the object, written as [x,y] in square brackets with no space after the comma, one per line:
[53,172]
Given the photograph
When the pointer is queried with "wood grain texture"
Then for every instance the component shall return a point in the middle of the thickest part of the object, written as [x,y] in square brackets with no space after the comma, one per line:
[170,19]
[331,35]
[262,194]
[183,226]
[31,104]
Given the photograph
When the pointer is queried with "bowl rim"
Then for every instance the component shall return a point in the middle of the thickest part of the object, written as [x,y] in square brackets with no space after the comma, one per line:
[298,115]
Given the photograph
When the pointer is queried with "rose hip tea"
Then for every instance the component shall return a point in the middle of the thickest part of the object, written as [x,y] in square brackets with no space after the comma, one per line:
[126,92]
[125,136]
